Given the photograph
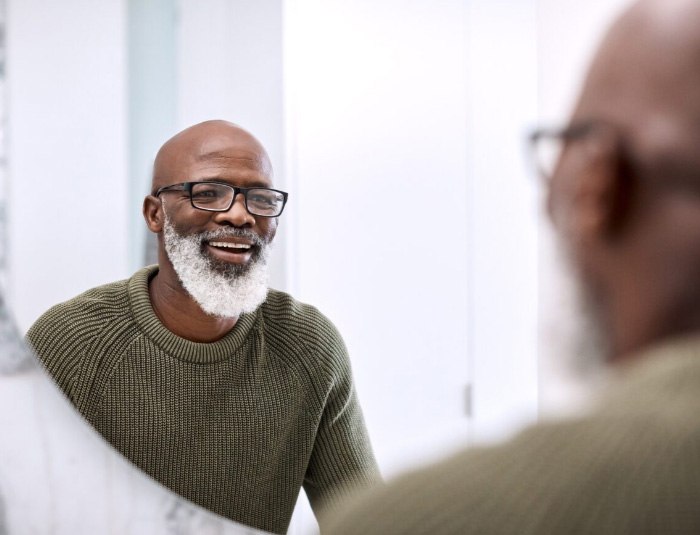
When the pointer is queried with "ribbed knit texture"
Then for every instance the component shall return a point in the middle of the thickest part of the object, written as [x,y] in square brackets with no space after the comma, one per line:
[630,467]
[237,425]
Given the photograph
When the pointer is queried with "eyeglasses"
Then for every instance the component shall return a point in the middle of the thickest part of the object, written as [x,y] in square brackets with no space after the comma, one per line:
[218,197]
[548,144]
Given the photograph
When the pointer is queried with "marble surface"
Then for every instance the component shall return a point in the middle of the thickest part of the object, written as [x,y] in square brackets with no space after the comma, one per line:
[58,476]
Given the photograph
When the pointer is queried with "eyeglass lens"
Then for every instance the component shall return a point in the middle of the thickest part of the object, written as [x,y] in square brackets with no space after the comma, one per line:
[259,201]
[548,150]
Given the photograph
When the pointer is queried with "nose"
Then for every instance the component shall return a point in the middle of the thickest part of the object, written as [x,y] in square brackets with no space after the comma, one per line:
[237,215]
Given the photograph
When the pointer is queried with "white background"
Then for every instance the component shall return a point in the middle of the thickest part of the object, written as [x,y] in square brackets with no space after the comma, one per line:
[398,128]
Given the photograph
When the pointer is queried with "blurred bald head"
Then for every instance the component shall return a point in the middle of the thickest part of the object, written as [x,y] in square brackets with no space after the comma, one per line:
[211,142]
[625,196]
[645,79]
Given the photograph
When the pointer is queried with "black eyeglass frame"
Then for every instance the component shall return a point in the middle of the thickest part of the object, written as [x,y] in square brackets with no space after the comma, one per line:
[576,130]
[187,186]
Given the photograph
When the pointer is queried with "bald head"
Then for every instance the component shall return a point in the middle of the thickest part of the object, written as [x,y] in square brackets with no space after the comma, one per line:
[645,79]
[208,147]
[626,193]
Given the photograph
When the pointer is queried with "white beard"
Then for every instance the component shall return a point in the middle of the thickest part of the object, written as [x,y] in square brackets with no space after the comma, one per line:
[589,347]
[224,291]
[575,347]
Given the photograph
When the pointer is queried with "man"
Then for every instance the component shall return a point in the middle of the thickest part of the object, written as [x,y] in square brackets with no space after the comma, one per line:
[625,199]
[232,395]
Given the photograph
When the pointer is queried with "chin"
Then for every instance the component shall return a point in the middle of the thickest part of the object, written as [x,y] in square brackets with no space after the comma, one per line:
[228,269]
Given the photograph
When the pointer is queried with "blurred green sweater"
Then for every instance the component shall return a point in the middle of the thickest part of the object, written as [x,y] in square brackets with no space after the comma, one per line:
[630,467]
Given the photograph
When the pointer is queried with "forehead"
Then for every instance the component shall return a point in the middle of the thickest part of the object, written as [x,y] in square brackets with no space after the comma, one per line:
[234,167]
[224,156]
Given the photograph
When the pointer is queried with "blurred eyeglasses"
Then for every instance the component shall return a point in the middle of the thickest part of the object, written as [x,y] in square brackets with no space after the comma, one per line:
[547,145]
[219,197]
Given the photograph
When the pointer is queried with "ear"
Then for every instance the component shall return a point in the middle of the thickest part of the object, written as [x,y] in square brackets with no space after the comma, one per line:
[590,195]
[153,213]
[605,191]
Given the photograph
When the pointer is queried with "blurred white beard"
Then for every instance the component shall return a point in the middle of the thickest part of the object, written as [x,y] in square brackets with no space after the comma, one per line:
[575,347]
[221,290]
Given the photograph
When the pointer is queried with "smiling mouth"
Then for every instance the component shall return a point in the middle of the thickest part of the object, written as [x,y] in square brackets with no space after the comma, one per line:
[239,247]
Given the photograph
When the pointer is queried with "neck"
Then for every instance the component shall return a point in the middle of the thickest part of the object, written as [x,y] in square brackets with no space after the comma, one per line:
[181,314]
[630,342]
[643,316]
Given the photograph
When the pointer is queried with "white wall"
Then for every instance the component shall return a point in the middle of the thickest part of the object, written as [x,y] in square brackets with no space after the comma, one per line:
[415,225]
[67,150]
[502,100]
[378,122]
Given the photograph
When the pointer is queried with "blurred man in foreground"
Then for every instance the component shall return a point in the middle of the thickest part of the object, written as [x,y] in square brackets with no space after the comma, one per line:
[624,198]
[229,394]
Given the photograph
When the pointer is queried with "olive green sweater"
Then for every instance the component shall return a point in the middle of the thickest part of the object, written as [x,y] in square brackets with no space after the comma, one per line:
[631,467]
[238,425]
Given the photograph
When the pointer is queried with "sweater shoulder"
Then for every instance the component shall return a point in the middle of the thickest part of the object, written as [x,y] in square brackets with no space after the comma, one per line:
[300,320]
[81,314]
[61,336]
[299,326]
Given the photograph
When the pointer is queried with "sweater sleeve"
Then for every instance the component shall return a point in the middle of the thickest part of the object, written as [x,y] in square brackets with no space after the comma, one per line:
[55,342]
[62,338]
[342,457]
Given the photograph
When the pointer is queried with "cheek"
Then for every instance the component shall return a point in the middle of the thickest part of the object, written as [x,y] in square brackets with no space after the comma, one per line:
[186,221]
[267,229]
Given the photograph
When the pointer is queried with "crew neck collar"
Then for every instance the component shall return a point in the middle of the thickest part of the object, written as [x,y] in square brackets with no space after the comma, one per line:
[174,345]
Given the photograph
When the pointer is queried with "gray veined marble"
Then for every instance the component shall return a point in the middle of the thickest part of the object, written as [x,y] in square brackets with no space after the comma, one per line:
[14,357]
[59,477]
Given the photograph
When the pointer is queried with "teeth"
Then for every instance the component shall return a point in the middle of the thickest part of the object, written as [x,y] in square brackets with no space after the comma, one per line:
[228,245]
